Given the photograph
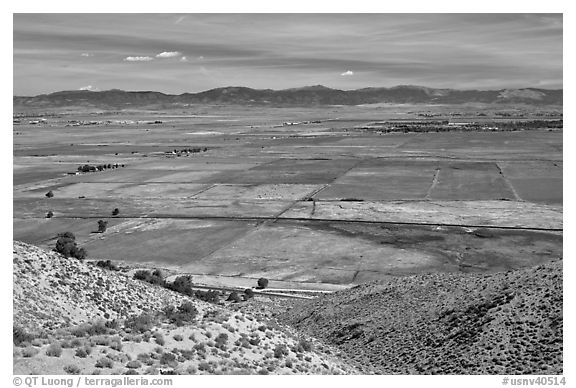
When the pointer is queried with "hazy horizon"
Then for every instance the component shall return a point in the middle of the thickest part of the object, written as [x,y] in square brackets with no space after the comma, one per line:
[175,54]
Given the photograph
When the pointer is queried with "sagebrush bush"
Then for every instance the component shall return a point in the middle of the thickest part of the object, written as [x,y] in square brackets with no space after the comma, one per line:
[155,277]
[141,323]
[159,338]
[185,313]
[29,352]
[107,264]
[134,364]
[81,353]
[169,359]
[104,362]
[72,370]
[54,350]
[280,351]
[304,345]
[20,336]
[182,284]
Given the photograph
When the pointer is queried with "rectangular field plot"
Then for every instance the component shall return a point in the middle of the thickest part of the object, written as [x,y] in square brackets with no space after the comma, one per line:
[305,254]
[535,181]
[387,181]
[512,214]
[123,190]
[377,188]
[165,242]
[260,177]
[471,181]
[547,190]
[220,208]
[250,192]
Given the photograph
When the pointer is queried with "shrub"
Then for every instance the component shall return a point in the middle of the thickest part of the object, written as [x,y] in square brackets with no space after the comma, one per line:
[140,324]
[116,345]
[96,328]
[145,358]
[280,350]
[152,278]
[50,214]
[102,225]
[249,293]
[49,194]
[221,340]
[169,359]
[207,296]
[29,352]
[115,212]
[304,345]
[54,350]
[178,337]
[72,370]
[186,312]
[262,283]
[19,336]
[234,297]
[81,352]
[206,367]
[134,364]
[187,354]
[104,362]
[159,338]
[182,284]
[107,265]
[66,246]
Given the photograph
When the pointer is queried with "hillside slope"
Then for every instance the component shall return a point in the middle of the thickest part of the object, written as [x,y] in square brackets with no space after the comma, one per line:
[72,317]
[502,323]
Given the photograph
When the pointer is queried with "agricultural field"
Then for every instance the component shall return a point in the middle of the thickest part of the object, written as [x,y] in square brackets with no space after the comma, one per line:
[300,196]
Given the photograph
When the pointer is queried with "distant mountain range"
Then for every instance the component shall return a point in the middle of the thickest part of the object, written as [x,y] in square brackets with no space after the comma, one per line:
[306,96]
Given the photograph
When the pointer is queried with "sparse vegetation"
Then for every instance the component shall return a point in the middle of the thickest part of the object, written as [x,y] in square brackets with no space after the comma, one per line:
[66,246]
[107,264]
[72,370]
[104,362]
[248,293]
[262,283]
[54,350]
[102,225]
[154,277]
[20,336]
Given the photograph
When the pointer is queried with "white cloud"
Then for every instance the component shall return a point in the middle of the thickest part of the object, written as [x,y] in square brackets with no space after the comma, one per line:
[89,87]
[169,54]
[87,55]
[183,59]
[347,72]
[138,59]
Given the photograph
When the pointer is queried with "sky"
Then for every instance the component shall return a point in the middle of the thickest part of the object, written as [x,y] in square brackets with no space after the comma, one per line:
[178,53]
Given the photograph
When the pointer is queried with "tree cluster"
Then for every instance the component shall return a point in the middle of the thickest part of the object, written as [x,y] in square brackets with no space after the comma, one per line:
[66,246]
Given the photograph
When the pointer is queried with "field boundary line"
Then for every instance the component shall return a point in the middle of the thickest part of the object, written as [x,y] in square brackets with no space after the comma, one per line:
[300,219]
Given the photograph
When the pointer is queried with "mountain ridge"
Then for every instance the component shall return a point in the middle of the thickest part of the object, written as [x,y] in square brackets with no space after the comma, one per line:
[315,95]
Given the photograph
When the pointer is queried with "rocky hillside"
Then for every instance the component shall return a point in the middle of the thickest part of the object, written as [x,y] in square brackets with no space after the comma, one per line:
[306,96]
[502,323]
[76,318]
